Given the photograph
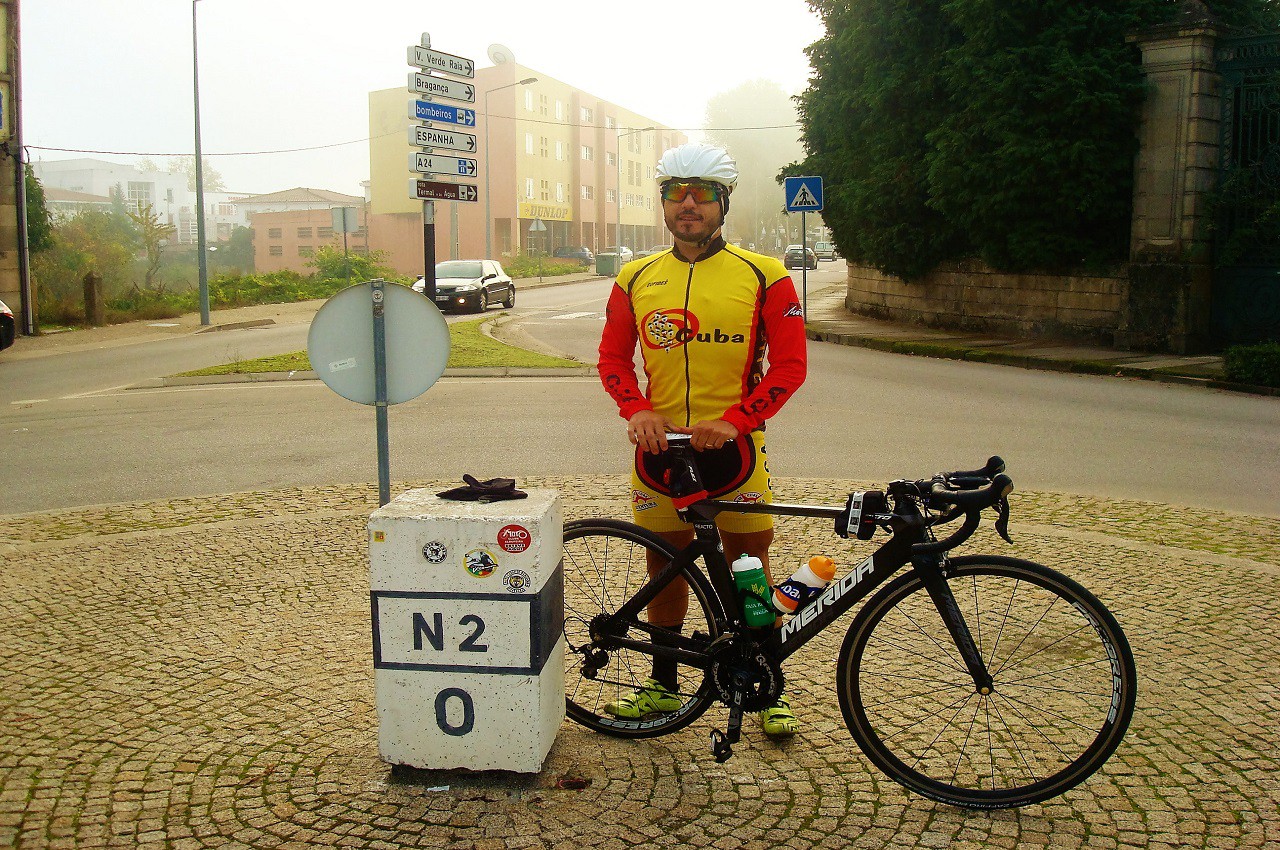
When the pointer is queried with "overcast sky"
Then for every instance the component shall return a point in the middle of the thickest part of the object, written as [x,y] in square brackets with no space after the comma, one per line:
[279,75]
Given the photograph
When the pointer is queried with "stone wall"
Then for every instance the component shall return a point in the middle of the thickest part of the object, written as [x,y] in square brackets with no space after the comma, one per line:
[974,298]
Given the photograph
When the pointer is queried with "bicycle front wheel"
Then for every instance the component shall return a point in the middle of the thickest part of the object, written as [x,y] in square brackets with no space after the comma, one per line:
[604,566]
[1064,685]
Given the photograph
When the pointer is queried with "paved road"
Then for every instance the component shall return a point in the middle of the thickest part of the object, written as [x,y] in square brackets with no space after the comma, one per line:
[863,414]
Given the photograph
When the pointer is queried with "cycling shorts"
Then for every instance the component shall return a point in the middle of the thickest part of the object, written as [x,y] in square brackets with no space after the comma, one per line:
[739,473]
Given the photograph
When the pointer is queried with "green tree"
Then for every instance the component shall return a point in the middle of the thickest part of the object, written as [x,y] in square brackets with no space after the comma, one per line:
[331,264]
[154,235]
[238,252]
[757,123]
[187,165]
[947,129]
[39,222]
[101,241]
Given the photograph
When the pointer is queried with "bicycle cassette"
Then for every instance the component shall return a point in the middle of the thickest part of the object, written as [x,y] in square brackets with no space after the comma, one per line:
[745,673]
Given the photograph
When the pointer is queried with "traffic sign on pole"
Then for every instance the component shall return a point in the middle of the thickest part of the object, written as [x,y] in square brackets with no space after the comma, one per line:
[426,163]
[445,63]
[440,87]
[425,110]
[431,190]
[803,194]
[430,137]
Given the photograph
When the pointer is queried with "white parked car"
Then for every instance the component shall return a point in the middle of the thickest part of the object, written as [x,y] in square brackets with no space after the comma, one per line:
[8,327]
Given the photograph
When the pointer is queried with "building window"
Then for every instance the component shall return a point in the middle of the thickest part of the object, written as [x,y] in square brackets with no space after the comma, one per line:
[304,232]
[608,122]
[528,100]
[609,195]
[139,195]
[588,153]
[226,209]
[528,188]
[588,116]
[274,233]
[559,111]
[588,193]
[306,250]
[324,232]
[542,104]
[543,146]
[559,151]
[275,250]
[528,143]
[610,159]
[545,188]
[559,193]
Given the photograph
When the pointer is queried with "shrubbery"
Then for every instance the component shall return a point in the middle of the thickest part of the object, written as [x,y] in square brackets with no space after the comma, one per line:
[523,265]
[1258,365]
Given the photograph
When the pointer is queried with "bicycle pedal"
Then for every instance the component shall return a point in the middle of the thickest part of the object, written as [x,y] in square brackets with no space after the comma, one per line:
[721,749]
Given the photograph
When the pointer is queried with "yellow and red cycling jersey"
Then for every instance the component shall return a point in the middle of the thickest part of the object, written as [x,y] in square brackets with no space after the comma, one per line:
[705,330]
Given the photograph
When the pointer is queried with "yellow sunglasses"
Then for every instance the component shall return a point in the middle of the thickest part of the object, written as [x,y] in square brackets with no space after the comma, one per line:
[703,193]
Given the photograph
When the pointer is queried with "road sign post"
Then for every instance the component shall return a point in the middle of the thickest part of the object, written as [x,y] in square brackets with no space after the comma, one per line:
[803,195]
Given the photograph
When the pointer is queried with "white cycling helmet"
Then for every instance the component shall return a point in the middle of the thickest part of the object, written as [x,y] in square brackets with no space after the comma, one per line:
[698,161]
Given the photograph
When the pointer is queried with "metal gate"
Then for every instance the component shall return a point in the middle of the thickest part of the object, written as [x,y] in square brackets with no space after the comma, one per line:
[1246,287]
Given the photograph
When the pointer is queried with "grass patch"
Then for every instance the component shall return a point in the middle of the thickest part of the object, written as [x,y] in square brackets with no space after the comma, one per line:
[468,348]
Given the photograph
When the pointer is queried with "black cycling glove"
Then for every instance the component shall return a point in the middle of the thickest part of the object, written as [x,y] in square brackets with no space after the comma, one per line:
[493,490]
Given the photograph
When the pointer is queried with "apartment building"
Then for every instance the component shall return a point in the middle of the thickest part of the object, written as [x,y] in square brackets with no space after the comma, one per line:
[166,193]
[547,152]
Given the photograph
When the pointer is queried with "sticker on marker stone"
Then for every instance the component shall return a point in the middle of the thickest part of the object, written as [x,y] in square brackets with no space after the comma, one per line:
[435,552]
[379,537]
[514,538]
[480,563]
[516,581]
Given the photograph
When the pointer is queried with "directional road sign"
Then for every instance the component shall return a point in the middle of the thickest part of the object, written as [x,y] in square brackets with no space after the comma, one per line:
[425,110]
[431,190]
[429,137]
[426,163]
[440,87]
[445,63]
[803,194]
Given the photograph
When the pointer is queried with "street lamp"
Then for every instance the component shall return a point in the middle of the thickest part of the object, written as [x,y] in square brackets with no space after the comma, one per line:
[618,234]
[488,215]
[204,270]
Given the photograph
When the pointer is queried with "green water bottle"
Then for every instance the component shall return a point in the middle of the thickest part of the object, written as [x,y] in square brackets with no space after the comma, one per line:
[753,587]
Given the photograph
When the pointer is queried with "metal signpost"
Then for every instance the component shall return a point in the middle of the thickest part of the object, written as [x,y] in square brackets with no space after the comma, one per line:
[426,82]
[803,195]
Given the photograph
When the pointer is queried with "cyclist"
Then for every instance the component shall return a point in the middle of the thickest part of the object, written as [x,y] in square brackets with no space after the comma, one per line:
[704,314]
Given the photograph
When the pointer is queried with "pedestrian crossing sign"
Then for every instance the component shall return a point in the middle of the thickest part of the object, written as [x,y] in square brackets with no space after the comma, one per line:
[803,194]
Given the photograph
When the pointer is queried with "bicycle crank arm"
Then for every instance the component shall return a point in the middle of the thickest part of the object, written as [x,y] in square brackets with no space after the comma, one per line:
[722,742]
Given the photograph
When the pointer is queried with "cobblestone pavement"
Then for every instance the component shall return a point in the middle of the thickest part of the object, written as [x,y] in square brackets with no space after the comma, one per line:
[196,673]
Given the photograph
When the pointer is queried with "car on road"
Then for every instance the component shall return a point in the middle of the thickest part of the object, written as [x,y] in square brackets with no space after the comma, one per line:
[581,253]
[471,285]
[627,254]
[8,327]
[825,250]
[800,257]
[649,252]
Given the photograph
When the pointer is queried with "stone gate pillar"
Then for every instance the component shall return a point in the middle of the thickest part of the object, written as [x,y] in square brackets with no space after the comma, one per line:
[1171,270]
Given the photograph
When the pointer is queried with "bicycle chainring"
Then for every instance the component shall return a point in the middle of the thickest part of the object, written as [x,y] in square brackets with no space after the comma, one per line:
[742,668]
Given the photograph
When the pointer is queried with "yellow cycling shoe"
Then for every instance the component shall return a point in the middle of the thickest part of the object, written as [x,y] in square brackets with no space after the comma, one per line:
[650,698]
[779,721]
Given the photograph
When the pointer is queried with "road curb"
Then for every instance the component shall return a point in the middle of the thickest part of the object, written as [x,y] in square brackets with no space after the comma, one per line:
[235,326]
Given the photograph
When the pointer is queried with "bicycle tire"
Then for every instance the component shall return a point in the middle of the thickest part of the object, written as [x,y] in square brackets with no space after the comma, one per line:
[1065,685]
[604,565]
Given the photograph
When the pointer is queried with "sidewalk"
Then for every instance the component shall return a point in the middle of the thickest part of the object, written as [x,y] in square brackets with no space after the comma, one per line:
[197,673]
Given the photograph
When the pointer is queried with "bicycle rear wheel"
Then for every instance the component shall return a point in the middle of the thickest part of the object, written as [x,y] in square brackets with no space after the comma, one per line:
[604,566]
[1065,685]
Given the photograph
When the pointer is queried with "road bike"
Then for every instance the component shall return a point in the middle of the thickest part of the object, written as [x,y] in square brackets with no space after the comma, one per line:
[977,680]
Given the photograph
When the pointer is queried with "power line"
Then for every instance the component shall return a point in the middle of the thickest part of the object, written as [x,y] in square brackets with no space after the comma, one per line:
[386,135]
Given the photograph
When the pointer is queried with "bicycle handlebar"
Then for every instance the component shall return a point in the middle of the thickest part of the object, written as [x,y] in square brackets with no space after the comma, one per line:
[978,490]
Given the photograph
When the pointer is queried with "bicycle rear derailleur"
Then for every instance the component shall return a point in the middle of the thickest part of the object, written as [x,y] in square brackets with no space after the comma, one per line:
[745,679]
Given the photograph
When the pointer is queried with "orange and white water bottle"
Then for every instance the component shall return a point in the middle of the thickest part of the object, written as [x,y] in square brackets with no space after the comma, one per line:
[803,584]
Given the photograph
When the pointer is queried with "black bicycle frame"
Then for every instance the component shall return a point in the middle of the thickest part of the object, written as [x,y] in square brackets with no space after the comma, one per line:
[909,528]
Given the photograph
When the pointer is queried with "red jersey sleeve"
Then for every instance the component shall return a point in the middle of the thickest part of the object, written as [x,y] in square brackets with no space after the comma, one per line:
[787,354]
[617,355]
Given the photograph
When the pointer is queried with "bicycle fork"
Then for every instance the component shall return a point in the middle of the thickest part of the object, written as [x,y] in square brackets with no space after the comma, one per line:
[930,568]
